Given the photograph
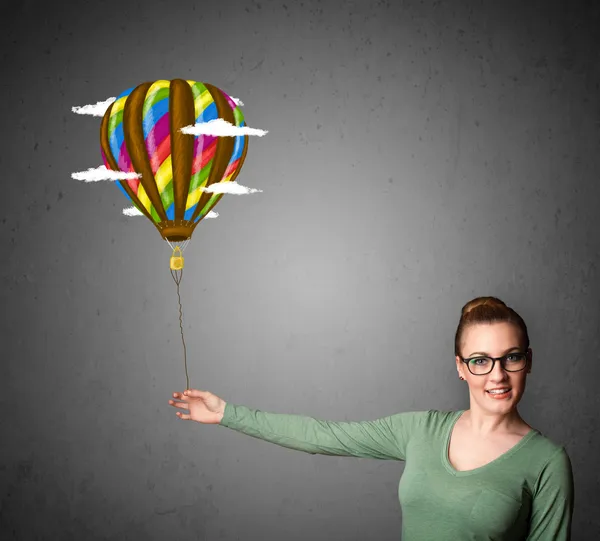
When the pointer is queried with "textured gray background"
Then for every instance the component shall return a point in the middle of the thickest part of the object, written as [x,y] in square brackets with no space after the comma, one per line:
[419,154]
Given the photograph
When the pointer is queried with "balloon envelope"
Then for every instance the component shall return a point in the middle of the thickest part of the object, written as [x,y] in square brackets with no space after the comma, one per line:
[140,133]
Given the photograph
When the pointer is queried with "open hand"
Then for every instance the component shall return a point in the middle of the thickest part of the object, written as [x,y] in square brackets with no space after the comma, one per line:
[202,406]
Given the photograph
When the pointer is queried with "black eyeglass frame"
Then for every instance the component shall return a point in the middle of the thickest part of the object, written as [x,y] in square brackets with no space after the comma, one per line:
[494,359]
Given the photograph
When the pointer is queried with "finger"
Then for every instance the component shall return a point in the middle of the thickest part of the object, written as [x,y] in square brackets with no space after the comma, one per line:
[183,416]
[183,405]
[195,393]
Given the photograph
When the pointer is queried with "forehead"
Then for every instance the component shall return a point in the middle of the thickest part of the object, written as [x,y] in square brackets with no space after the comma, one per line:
[491,336]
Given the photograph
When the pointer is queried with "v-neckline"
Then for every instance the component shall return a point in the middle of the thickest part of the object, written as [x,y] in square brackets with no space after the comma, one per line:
[446,450]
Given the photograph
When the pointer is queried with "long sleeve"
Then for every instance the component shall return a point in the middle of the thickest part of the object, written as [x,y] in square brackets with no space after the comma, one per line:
[553,500]
[385,438]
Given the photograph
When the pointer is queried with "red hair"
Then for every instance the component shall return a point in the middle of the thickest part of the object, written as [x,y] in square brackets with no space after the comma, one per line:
[488,310]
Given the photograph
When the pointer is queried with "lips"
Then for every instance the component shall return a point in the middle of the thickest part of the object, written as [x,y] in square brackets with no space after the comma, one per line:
[500,396]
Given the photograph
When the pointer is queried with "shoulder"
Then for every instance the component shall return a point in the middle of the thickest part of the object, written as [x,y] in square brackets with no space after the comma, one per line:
[547,448]
[555,476]
[554,456]
[412,422]
[428,416]
[442,417]
[550,463]
[432,421]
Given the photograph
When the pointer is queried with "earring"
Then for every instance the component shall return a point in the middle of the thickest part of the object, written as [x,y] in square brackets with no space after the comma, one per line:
[460,377]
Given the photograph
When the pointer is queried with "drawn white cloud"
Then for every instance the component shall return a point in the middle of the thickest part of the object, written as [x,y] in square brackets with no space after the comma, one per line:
[97,109]
[221,128]
[229,187]
[132,211]
[218,187]
[102,173]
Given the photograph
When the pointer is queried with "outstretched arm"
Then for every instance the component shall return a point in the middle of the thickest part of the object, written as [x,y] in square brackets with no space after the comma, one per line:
[383,438]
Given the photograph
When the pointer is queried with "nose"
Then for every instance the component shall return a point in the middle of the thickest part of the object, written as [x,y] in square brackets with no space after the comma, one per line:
[498,373]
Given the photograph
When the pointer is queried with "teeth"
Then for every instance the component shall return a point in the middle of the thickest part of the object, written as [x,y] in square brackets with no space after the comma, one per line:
[500,391]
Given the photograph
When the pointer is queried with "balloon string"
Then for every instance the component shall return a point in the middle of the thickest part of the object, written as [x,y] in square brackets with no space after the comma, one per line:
[178,281]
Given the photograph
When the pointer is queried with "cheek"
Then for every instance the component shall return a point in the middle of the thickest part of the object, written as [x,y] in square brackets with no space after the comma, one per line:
[520,385]
[518,381]
[477,386]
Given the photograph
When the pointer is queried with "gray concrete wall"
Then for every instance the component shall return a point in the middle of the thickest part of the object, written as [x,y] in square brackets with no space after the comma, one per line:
[419,154]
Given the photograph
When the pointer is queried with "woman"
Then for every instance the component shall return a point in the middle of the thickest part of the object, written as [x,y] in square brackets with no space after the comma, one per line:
[481,473]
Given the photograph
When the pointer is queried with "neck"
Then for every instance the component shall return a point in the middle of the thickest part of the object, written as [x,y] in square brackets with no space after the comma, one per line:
[484,424]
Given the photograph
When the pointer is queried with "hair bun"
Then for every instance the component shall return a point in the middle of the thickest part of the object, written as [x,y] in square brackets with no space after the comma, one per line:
[493,302]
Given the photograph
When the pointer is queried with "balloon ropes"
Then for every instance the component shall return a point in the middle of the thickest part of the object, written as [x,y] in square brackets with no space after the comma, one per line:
[165,132]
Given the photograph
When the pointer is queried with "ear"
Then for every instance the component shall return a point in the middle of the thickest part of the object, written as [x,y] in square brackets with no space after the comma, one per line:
[458,365]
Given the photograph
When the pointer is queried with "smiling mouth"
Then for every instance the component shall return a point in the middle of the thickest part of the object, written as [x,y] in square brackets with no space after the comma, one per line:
[501,394]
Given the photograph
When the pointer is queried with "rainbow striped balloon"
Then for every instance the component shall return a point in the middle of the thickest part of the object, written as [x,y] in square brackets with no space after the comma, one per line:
[140,133]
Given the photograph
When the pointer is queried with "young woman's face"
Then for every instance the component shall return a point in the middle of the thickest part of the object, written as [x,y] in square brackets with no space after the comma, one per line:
[493,340]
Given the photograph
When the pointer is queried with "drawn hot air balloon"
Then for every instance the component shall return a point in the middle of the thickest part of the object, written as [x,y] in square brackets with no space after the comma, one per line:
[141,133]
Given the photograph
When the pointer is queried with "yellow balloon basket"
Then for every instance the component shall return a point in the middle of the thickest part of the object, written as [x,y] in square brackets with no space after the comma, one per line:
[177,259]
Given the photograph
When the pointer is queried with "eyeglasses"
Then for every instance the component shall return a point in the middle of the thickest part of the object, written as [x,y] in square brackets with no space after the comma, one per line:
[512,362]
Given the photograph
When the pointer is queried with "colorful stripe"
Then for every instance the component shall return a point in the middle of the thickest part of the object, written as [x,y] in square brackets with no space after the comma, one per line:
[204,151]
[156,136]
[163,151]
[209,205]
[201,169]
[115,125]
[236,155]
[205,110]
[156,124]
[118,147]
[194,196]
[118,183]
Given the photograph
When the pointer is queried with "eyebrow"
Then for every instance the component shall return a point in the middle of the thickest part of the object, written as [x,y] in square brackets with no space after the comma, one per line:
[488,355]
